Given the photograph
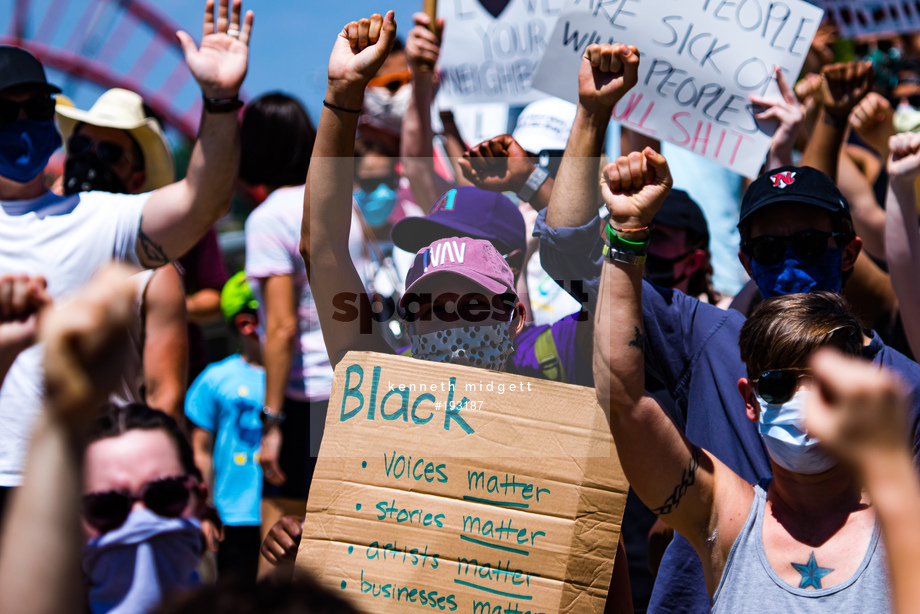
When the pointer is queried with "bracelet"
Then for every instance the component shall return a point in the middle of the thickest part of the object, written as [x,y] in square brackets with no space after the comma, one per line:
[628,230]
[222,105]
[618,242]
[836,122]
[615,255]
[270,418]
[336,107]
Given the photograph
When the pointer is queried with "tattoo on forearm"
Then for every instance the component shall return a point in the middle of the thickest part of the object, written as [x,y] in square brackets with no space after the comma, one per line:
[638,340]
[686,481]
[153,253]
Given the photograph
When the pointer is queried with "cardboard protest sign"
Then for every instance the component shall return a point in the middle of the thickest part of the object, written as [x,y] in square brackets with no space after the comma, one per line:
[859,18]
[448,488]
[701,60]
[491,49]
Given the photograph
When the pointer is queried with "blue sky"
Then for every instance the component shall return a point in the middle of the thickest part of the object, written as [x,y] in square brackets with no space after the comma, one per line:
[289,50]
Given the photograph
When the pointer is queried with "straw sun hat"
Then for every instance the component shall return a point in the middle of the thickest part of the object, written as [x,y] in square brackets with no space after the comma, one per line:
[124,110]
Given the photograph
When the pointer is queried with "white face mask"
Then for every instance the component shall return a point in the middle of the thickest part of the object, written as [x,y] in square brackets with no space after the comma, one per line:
[132,568]
[781,426]
[906,118]
[487,347]
[386,108]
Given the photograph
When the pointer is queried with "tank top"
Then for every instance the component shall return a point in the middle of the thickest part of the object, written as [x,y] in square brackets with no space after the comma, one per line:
[749,583]
[131,381]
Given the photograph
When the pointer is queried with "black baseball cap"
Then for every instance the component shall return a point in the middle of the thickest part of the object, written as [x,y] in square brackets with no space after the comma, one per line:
[465,212]
[19,67]
[681,211]
[800,184]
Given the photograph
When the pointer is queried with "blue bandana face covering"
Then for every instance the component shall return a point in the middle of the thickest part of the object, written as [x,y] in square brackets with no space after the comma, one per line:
[377,205]
[25,147]
[793,275]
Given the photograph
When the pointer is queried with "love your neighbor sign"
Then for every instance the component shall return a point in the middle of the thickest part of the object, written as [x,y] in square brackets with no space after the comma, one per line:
[491,49]
[701,60]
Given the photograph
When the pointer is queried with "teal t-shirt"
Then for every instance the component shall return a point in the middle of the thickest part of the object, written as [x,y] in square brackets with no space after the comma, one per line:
[226,400]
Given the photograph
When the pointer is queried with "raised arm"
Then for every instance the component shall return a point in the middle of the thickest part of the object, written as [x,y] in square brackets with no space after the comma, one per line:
[177,216]
[415,144]
[790,114]
[22,300]
[341,301]
[677,480]
[861,414]
[902,232]
[86,344]
[607,72]
[844,85]
[500,164]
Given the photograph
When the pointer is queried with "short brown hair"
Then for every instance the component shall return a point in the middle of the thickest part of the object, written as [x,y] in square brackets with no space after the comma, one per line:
[786,330]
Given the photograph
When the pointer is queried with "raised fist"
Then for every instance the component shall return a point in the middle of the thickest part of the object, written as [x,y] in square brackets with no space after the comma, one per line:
[497,165]
[855,410]
[873,120]
[607,72]
[359,51]
[844,86]
[634,188]
[904,162]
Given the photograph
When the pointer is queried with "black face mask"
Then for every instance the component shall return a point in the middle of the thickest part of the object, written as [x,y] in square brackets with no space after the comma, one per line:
[85,172]
[660,271]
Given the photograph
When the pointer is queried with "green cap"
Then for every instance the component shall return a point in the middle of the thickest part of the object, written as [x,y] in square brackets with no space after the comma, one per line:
[236,296]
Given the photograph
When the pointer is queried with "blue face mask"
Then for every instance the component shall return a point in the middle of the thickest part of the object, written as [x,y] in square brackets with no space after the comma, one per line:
[781,426]
[25,147]
[377,205]
[793,275]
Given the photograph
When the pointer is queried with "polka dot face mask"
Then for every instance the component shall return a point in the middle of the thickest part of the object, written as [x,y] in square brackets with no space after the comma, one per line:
[487,347]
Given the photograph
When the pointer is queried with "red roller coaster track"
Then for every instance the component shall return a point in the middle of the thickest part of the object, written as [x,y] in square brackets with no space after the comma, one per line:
[129,21]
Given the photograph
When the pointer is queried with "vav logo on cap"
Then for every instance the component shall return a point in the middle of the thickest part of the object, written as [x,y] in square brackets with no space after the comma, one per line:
[781,180]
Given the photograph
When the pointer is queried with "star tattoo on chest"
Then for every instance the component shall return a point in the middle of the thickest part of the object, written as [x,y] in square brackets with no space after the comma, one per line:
[811,573]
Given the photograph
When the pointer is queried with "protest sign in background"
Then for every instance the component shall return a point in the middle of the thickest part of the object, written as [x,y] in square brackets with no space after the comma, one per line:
[491,49]
[511,504]
[860,18]
[701,60]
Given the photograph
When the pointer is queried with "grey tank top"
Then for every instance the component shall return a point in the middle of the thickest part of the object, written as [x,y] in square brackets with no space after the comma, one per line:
[749,584]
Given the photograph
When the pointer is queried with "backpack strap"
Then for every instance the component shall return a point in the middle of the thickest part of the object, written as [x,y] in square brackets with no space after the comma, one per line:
[548,357]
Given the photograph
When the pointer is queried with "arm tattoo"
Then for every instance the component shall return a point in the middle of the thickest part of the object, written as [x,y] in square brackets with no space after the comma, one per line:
[153,253]
[686,481]
[638,340]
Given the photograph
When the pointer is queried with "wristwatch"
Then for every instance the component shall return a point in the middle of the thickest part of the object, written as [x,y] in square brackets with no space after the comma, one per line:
[534,183]
[270,418]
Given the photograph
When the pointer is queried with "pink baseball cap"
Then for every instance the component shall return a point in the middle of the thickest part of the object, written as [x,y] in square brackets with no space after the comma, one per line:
[474,259]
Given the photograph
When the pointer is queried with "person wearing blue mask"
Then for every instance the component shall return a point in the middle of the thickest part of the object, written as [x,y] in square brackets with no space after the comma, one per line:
[376,183]
[805,540]
[66,238]
[692,347]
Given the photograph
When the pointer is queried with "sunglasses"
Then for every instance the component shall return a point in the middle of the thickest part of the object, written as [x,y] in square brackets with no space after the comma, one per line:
[38,108]
[167,497]
[809,245]
[779,385]
[370,184]
[391,82]
[109,152]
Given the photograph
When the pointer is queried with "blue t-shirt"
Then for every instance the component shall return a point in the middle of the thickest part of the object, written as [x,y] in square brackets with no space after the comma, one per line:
[692,349]
[226,400]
